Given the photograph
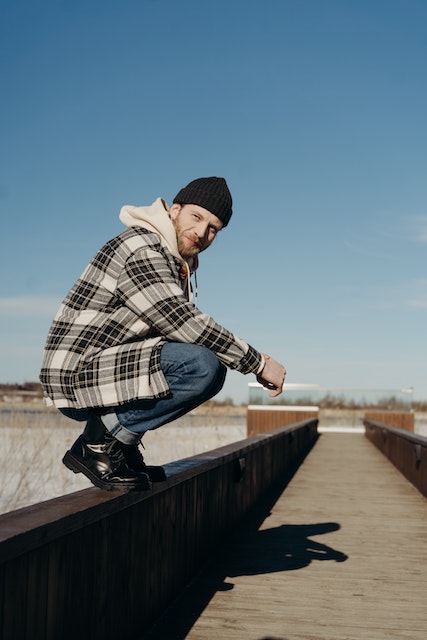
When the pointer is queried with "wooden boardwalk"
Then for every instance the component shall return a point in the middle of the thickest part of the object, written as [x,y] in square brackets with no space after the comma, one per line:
[339,554]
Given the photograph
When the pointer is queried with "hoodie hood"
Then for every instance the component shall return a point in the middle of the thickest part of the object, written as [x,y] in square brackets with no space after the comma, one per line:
[155,217]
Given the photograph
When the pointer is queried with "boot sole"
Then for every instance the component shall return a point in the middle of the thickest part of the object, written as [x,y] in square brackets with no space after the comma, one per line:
[156,474]
[74,464]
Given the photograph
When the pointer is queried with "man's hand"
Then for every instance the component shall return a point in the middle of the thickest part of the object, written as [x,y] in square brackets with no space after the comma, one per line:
[272,376]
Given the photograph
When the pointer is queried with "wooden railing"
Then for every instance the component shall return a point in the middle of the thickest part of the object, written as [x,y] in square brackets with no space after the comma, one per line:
[398,419]
[407,451]
[98,565]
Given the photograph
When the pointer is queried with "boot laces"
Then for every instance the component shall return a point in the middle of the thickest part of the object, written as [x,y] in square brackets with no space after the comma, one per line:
[133,455]
[113,450]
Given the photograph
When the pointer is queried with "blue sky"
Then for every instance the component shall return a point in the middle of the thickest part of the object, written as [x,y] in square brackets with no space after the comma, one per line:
[314,112]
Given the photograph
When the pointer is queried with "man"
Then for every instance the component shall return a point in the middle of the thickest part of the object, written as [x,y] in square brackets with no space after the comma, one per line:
[128,351]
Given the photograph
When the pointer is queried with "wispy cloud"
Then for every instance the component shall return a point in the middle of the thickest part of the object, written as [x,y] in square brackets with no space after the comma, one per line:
[410,295]
[407,228]
[28,306]
[417,298]
[418,226]
[362,247]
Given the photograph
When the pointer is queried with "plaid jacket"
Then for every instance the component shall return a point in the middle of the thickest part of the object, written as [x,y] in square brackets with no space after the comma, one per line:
[103,348]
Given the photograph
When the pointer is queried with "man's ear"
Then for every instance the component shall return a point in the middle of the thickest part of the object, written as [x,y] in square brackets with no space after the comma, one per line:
[174,210]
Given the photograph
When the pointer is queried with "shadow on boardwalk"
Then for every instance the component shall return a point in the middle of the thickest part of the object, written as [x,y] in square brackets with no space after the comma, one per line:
[248,551]
[283,548]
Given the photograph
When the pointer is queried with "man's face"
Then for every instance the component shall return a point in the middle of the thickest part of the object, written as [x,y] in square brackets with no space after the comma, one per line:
[195,227]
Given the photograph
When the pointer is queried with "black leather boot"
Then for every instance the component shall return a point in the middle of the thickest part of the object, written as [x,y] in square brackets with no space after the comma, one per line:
[134,460]
[100,458]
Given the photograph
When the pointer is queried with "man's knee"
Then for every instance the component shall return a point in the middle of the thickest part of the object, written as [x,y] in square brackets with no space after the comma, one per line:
[215,371]
[195,362]
[206,368]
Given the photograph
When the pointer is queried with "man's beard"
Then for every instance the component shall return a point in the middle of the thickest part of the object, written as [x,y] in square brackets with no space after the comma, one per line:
[188,250]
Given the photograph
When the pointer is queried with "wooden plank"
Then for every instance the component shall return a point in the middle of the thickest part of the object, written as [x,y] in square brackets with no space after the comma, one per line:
[407,451]
[342,554]
[13,625]
[38,568]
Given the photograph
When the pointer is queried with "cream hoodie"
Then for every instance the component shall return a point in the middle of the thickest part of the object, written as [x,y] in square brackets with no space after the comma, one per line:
[155,217]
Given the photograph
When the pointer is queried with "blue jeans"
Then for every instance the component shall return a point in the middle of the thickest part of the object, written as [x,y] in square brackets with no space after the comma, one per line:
[194,375]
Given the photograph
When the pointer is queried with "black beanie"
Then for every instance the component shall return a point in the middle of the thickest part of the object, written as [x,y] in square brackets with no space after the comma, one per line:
[211,194]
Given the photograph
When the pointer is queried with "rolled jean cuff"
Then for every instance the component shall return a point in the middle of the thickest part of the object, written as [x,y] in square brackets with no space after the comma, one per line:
[118,431]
